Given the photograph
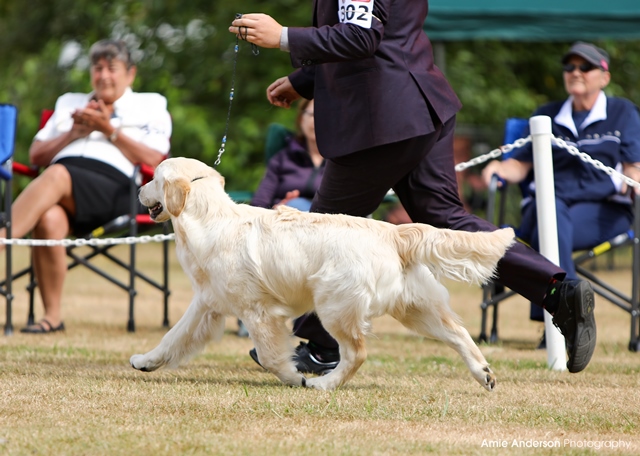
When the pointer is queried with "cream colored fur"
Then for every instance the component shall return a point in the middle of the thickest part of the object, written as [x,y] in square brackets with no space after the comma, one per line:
[266,266]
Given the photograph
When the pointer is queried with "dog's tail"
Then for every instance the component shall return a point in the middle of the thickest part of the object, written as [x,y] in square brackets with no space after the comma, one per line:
[458,255]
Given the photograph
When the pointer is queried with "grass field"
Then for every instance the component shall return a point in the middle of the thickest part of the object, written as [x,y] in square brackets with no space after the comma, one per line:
[74,393]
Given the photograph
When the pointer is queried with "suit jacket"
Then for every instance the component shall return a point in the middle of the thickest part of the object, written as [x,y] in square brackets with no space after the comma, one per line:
[371,86]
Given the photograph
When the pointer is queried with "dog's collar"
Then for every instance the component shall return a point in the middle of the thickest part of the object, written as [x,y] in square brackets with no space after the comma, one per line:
[198,178]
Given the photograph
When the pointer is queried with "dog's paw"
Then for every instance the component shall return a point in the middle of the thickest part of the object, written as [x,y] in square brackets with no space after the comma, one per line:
[138,362]
[320,383]
[489,379]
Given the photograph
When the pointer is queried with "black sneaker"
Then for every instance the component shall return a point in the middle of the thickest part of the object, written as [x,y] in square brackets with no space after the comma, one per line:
[308,362]
[312,360]
[575,320]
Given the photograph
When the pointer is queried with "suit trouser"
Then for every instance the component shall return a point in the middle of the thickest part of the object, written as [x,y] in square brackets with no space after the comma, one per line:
[585,224]
[421,172]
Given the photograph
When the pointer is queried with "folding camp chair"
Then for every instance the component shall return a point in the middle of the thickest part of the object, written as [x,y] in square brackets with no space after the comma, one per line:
[8,125]
[124,226]
[494,293]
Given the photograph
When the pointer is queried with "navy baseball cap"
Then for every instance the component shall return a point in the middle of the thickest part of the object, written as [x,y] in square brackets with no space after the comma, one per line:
[592,54]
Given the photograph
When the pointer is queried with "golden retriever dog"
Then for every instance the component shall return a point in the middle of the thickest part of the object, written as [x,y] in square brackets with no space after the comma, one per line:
[266,266]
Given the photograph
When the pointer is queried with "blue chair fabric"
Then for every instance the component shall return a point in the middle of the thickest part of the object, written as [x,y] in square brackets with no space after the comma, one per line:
[8,128]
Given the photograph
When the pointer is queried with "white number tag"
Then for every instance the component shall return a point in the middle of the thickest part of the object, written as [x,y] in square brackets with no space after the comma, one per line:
[358,12]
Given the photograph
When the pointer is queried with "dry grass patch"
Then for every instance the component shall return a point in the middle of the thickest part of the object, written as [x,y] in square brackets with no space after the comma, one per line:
[75,394]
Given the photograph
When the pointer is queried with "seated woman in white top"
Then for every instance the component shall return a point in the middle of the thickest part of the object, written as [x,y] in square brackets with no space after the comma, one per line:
[90,146]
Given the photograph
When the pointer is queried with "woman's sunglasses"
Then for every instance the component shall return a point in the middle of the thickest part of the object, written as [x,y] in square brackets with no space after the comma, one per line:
[583,67]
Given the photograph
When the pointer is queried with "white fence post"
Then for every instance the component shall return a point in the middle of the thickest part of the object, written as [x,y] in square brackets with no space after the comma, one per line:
[540,127]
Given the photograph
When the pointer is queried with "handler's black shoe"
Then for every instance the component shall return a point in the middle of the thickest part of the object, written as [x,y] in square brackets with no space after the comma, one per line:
[311,359]
[575,320]
[320,362]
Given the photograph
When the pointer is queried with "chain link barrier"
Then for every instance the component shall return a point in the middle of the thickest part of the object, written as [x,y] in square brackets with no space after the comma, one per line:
[95,242]
[560,143]
[595,163]
[494,154]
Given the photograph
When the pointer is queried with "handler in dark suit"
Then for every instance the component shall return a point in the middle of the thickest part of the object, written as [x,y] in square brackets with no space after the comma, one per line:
[385,118]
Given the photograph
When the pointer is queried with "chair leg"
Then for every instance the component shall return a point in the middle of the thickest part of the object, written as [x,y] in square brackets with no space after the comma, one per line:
[484,307]
[8,323]
[634,341]
[494,325]
[31,288]
[131,325]
[489,294]
[165,270]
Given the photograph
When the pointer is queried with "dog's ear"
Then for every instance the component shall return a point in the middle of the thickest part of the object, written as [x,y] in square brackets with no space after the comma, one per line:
[175,195]
[222,181]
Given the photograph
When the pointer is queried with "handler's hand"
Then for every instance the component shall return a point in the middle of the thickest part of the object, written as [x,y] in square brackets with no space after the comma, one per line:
[258,28]
[281,93]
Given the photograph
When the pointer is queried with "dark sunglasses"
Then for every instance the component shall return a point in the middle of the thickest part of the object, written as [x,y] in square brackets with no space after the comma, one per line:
[583,67]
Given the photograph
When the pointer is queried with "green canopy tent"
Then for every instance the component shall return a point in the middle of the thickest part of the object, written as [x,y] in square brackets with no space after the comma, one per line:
[542,20]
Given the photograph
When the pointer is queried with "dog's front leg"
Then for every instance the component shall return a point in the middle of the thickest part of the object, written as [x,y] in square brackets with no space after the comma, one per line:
[272,339]
[197,326]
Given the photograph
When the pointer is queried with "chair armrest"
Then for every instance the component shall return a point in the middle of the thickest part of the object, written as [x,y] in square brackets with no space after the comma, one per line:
[25,170]
[146,171]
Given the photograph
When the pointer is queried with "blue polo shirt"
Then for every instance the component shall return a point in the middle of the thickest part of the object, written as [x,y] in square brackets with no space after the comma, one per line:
[609,133]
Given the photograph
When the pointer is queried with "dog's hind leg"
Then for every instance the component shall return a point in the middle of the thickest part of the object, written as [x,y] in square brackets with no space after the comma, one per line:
[197,326]
[352,354]
[437,320]
[352,351]
[272,340]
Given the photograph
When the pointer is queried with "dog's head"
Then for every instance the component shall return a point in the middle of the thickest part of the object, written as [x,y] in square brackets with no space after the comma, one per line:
[166,195]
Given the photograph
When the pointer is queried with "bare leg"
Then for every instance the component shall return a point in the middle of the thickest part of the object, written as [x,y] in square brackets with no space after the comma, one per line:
[49,263]
[51,188]
[197,326]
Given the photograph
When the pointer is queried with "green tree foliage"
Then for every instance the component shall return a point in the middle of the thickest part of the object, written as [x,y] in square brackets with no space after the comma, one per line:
[185,52]
[496,80]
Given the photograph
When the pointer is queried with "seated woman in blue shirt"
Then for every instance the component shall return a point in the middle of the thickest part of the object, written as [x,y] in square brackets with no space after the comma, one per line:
[591,206]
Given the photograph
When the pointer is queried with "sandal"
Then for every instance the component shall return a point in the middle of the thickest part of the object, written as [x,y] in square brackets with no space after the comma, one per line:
[39,328]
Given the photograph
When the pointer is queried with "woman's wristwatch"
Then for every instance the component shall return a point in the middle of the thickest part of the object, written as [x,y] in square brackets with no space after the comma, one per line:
[114,135]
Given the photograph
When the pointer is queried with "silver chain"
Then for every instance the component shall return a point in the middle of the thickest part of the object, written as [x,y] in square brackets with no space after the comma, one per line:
[597,164]
[495,153]
[459,167]
[559,143]
[92,242]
